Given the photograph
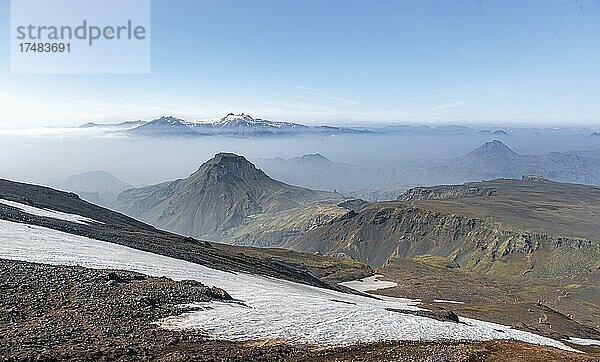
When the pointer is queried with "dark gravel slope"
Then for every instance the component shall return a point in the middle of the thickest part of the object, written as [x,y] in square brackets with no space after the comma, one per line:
[120,229]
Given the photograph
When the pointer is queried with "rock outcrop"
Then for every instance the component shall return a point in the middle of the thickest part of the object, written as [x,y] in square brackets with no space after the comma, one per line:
[447,192]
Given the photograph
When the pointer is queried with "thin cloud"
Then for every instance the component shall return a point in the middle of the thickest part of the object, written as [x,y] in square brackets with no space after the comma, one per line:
[449,105]
[318,93]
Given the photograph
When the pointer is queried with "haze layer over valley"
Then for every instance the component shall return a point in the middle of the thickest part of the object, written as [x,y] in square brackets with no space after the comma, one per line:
[375,163]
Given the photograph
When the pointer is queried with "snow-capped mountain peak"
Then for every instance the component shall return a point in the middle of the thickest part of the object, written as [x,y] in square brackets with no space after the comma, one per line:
[236,125]
[246,121]
[236,120]
[170,120]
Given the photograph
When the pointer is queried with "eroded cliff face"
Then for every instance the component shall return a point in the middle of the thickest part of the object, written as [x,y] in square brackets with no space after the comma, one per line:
[447,192]
[396,230]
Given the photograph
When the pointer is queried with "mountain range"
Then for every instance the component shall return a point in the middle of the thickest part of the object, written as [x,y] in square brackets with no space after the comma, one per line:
[244,125]
[496,160]
[121,125]
[232,125]
[493,159]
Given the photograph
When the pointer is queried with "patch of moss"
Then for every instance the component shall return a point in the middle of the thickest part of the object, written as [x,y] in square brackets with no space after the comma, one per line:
[436,261]
[514,266]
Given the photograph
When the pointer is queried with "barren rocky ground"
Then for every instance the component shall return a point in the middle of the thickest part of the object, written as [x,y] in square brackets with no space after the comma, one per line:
[550,307]
[73,313]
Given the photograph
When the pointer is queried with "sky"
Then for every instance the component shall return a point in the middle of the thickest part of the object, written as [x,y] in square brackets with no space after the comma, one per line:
[338,62]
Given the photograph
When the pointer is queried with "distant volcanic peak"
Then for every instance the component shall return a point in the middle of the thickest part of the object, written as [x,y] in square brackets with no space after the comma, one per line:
[314,157]
[493,148]
[95,173]
[93,181]
[500,132]
[169,120]
[164,125]
[236,120]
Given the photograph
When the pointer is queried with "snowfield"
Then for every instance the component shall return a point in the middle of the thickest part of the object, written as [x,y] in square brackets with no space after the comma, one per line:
[274,309]
[369,284]
[49,213]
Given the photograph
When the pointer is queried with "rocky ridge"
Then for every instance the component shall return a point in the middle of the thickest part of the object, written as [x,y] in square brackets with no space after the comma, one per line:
[380,232]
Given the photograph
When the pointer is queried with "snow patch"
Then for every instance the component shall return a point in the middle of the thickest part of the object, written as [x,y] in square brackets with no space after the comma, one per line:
[448,301]
[32,210]
[584,341]
[369,284]
[274,308]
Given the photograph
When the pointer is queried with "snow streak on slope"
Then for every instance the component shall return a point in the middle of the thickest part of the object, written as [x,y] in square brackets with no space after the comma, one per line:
[369,284]
[275,308]
[49,213]
[584,341]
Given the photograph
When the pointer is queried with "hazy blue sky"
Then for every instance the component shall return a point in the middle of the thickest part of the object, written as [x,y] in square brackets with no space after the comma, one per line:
[328,61]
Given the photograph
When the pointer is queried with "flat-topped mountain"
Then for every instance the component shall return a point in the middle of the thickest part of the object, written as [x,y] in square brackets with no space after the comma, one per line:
[533,203]
[495,227]
[218,197]
[447,192]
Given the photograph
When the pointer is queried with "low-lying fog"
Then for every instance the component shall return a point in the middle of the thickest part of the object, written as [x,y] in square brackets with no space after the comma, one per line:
[48,159]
